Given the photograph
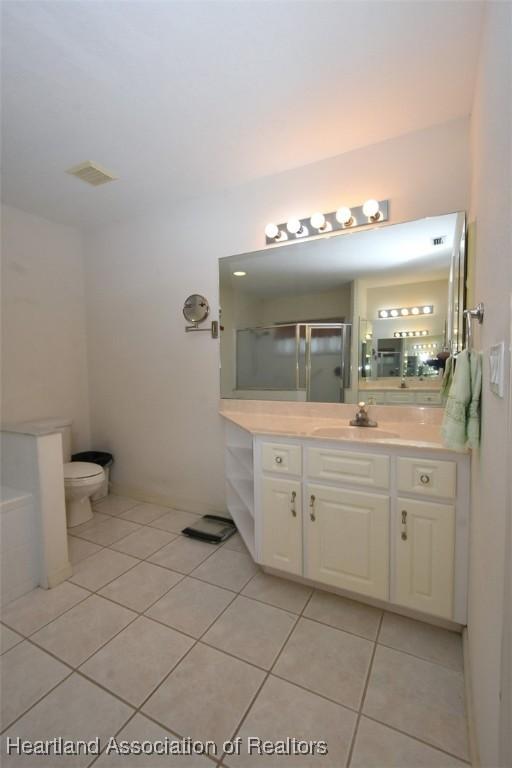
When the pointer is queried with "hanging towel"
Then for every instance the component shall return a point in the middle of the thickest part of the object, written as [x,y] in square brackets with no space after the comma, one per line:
[461,421]
[447,377]
[473,418]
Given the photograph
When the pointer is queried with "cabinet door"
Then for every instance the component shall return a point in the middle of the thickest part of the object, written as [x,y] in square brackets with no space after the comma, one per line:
[281,524]
[425,554]
[348,539]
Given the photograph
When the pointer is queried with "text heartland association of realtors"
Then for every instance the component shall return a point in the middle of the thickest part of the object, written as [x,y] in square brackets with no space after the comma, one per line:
[60,746]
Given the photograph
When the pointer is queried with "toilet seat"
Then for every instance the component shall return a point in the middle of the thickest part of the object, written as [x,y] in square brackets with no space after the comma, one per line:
[78,471]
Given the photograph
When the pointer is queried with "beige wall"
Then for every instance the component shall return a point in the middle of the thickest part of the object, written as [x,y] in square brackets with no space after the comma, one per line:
[155,389]
[491,206]
[44,371]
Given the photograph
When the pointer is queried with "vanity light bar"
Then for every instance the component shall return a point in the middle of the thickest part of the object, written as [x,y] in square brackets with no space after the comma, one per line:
[387,314]
[425,346]
[371,212]
[406,334]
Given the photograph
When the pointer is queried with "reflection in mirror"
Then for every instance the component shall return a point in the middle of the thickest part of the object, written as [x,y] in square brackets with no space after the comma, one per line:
[367,315]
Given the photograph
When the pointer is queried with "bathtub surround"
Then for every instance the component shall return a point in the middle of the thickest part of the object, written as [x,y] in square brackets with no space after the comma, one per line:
[44,366]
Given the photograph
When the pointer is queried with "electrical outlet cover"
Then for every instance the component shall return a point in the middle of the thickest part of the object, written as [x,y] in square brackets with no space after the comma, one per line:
[497,368]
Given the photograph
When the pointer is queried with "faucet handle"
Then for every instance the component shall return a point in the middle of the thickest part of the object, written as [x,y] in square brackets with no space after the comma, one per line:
[362,406]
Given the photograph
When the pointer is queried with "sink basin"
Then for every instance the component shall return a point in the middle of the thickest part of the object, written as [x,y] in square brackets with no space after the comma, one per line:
[355,433]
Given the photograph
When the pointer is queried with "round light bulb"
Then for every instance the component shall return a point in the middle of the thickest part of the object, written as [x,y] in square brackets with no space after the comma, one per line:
[403,334]
[404,312]
[293,226]
[383,313]
[394,313]
[371,208]
[344,215]
[424,333]
[415,311]
[427,310]
[272,231]
[239,274]
[318,221]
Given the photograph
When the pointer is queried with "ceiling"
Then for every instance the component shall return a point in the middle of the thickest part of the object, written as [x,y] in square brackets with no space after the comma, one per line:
[182,99]
[400,253]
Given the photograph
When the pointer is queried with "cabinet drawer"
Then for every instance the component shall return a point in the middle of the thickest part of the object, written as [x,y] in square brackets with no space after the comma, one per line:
[285,459]
[428,398]
[427,477]
[370,470]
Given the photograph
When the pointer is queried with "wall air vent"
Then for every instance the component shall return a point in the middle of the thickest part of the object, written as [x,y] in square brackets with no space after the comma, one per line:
[438,240]
[92,173]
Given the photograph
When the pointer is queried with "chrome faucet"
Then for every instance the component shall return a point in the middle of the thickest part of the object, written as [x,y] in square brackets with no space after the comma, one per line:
[362,419]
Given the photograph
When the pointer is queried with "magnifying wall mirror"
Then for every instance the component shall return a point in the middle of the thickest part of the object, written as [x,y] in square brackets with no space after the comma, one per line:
[196,308]
[369,315]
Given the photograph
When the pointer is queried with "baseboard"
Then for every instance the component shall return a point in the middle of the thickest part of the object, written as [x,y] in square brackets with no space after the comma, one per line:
[468,700]
[187,505]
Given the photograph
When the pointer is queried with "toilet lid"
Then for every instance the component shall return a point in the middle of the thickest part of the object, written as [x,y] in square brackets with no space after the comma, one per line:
[76,470]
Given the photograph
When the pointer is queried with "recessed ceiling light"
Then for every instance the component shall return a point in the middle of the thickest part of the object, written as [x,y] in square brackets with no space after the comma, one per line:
[239,274]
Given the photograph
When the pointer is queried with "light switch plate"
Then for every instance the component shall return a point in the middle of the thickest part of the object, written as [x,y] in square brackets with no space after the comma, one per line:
[497,368]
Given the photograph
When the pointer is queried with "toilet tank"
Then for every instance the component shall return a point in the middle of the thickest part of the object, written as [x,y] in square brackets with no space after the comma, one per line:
[57,424]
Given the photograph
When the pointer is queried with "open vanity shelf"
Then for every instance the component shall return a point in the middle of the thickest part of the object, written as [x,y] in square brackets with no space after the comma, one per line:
[239,459]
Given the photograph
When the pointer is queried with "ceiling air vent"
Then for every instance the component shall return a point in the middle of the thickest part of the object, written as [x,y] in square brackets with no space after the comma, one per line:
[438,240]
[92,173]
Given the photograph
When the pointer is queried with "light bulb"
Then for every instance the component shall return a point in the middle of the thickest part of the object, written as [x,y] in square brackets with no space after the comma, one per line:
[318,221]
[415,311]
[371,209]
[383,313]
[424,333]
[272,231]
[294,226]
[239,274]
[394,313]
[403,334]
[404,312]
[427,310]
[344,216]
[396,334]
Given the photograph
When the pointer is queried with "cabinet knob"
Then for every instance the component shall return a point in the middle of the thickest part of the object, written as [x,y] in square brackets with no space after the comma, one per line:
[279,459]
[312,515]
[292,503]
[424,479]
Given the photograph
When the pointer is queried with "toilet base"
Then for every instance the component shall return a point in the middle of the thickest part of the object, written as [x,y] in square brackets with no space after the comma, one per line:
[78,511]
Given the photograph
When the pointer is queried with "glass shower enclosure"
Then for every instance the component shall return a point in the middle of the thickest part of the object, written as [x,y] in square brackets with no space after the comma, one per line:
[302,361]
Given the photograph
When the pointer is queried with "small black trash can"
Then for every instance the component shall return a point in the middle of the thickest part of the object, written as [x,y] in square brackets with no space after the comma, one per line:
[102,458]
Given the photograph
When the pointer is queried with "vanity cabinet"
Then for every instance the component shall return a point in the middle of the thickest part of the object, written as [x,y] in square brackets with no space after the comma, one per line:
[385,522]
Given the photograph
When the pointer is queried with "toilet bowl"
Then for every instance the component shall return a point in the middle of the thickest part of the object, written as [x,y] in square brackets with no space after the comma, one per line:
[81,480]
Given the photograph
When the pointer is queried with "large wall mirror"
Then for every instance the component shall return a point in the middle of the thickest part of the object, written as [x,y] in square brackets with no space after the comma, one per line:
[366,315]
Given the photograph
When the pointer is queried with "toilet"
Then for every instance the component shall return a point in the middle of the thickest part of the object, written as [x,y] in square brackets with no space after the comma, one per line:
[82,479]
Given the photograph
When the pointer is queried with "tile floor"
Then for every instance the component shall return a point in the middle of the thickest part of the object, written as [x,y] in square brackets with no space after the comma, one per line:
[157,636]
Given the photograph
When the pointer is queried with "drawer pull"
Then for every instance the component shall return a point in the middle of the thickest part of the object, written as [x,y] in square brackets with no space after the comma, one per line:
[424,479]
[404,525]
[312,515]
[279,459]
[292,503]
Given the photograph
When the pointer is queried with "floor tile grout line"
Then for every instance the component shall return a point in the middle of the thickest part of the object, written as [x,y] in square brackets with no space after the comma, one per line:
[422,658]
[415,738]
[194,644]
[268,673]
[365,688]
[35,703]
[197,640]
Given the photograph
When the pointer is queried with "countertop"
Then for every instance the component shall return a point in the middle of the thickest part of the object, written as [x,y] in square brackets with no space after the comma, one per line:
[408,427]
